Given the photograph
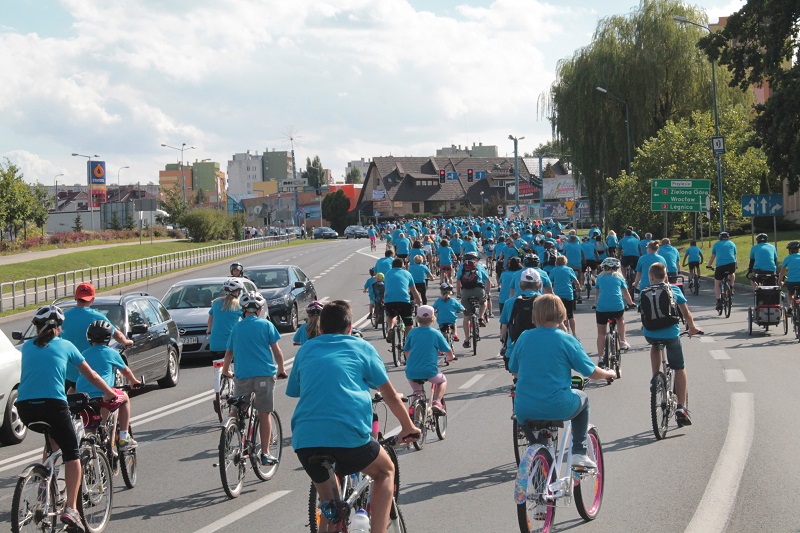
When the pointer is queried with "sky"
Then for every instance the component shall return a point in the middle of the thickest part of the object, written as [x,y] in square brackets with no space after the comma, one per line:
[343,79]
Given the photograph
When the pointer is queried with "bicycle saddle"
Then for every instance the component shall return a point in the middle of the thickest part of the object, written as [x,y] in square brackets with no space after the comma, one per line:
[39,427]
[77,402]
[239,401]
[544,424]
[316,460]
[420,381]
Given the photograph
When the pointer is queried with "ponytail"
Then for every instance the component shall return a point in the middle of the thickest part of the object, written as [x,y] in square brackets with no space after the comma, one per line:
[44,336]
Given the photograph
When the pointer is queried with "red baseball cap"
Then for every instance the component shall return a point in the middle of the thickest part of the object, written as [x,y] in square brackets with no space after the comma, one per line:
[85,291]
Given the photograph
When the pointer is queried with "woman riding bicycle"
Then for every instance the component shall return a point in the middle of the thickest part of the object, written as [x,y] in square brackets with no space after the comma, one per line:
[610,298]
[41,396]
[310,329]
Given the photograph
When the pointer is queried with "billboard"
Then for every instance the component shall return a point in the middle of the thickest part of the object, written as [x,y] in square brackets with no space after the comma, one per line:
[560,187]
[97,182]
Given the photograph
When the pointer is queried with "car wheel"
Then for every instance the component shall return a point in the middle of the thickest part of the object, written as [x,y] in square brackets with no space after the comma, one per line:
[13,430]
[173,369]
[294,320]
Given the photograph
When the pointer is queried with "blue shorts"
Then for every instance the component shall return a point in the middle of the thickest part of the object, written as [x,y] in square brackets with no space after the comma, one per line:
[674,351]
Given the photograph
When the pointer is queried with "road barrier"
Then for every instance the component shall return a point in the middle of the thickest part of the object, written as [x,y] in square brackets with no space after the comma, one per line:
[34,291]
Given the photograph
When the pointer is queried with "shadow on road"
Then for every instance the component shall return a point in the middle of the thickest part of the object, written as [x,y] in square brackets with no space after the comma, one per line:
[422,492]
[643,438]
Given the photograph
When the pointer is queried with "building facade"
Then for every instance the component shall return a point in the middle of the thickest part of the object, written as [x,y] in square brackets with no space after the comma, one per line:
[244,170]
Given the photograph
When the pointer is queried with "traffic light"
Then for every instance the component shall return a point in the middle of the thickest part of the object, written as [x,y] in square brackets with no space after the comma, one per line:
[319,191]
[442,177]
[470,175]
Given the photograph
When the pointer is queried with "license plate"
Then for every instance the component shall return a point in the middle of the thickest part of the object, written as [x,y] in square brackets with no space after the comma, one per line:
[190,340]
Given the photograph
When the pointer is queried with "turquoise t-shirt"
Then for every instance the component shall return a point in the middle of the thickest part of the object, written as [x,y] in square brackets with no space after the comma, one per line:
[544,387]
[456,245]
[693,254]
[612,241]
[574,253]
[250,343]
[508,253]
[765,255]
[222,325]
[402,246]
[398,282]
[792,265]
[383,265]
[445,254]
[588,251]
[506,282]
[419,272]
[469,246]
[300,336]
[725,252]
[630,246]
[332,377]
[368,287]
[45,369]
[671,332]
[104,361]
[673,257]
[447,310]
[609,292]
[423,345]
[415,252]
[643,266]
[76,322]
[562,277]
[643,246]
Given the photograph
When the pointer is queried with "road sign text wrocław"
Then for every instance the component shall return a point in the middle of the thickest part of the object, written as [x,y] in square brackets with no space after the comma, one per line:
[679,195]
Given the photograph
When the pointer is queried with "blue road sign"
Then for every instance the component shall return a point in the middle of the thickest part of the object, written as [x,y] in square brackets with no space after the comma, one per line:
[376,213]
[762,205]
[582,205]
[452,176]
[480,174]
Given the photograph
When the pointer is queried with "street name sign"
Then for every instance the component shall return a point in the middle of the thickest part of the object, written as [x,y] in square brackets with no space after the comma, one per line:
[762,205]
[679,195]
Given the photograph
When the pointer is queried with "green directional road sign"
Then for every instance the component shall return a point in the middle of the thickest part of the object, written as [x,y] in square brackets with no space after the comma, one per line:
[679,195]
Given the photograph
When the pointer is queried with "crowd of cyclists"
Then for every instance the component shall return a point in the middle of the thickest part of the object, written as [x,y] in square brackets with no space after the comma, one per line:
[536,269]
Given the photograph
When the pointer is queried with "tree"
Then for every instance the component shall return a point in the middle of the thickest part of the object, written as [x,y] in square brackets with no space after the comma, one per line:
[115,223]
[314,172]
[335,207]
[77,224]
[173,203]
[130,224]
[353,175]
[552,148]
[16,199]
[646,60]
[760,44]
[200,197]
[41,207]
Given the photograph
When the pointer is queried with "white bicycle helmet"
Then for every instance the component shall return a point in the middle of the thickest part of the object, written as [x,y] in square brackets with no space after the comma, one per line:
[610,263]
[50,315]
[252,302]
[233,285]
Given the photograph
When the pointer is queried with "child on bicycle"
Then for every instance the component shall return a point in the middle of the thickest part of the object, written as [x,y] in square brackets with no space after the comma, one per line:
[106,361]
[368,290]
[310,328]
[544,376]
[447,309]
[422,348]
[694,256]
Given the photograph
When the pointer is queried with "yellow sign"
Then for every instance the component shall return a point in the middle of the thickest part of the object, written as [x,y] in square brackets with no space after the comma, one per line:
[570,205]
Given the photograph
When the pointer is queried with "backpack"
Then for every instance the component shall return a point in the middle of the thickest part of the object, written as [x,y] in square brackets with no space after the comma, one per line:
[600,247]
[378,289]
[469,276]
[521,316]
[658,307]
[550,255]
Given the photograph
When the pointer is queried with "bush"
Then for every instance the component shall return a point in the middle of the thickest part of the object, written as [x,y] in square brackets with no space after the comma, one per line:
[207,225]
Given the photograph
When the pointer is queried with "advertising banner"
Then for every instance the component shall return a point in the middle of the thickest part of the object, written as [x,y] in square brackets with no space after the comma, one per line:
[560,187]
[97,182]
[378,194]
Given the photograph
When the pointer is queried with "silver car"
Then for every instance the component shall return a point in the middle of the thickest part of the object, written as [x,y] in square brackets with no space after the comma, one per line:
[12,430]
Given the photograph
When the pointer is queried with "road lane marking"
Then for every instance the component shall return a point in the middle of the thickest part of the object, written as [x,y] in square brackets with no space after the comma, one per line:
[173,411]
[715,506]
[472,381]
[719,354]
[172,405]
[244,511]
[706,338]
[734,375]
[20,456]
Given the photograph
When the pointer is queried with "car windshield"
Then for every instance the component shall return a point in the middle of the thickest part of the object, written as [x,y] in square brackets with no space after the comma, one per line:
[192,296]
[269,279]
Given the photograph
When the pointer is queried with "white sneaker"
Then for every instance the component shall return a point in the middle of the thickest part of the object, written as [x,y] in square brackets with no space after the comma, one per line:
[582,461]
[623,345]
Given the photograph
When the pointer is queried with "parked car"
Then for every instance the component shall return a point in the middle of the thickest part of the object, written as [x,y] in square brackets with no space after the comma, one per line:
[156,350]
[324,232]
[12,430]
[188,302]
[356,232]
[287,290]
[294,230]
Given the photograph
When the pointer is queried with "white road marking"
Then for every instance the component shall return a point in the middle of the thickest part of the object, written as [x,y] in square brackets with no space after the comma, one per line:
[171,406]
[472,381]
[715,506]
[173,411]
[20,456]
[719,354]
[734,375]
[315,278]
[706,338]
[244,511]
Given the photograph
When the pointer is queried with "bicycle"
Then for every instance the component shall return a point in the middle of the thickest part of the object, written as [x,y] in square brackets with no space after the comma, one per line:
[352,491]
[540,483]
[420,410]
[794,306]
[694,281]
[630,278]
[520,438]
[587,282]
[240,440]
[612,353]
[489,264]
[398,356]
[38,500]
[377,318]
[224,389]
[663,398]
[474,323]
[726,294]
[372,244]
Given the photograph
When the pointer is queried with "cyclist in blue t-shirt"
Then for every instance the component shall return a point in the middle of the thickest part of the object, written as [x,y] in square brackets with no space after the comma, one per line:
[447,309]
[694,256]
[643,266]
[422,348]
[724,252]
[790,269]
[763,262]
[629,246]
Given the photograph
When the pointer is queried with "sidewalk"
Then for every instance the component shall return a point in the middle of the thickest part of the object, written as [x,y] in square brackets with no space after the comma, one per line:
[45,254]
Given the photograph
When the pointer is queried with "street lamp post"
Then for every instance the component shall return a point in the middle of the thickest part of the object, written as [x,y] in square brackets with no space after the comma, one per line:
[55,195]
[683,20]
[516,167]
[482,204]
[627,122]
[183,177]
[90,185]
[119,187]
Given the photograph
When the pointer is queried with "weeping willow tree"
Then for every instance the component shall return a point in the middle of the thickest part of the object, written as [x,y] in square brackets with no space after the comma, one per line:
[646,60]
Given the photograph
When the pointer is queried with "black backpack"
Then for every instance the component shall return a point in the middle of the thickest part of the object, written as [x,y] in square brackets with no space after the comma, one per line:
[378,289]
[521,316]
[658,307]
[550,255]
[469,276]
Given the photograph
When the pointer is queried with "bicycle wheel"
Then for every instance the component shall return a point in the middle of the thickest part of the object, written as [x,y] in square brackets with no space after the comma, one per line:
[785,321]
[727,301]
[94,503]
[537,512]
[127,464]
[396,522]
[28,510]
[617,356]
[383,324]
[395,350]
[659,405]
[520,440]
[399,339]
[314,513]
[440,422]
[232,467]
[796,322]
[275,447]
[476,335]
[373,318]
[418,416]
[393,456]
[695,284]
[589,485]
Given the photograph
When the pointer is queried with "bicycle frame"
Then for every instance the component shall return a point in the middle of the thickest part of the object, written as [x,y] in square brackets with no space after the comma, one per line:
[561,487]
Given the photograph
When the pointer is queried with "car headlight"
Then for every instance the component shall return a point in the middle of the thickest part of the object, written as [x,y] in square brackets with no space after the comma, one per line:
[278,301]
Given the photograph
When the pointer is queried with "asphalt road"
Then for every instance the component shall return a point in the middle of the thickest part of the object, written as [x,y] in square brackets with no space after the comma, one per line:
[731,471]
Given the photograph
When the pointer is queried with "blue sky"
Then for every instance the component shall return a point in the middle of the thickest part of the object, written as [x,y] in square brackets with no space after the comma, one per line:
[348,78]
